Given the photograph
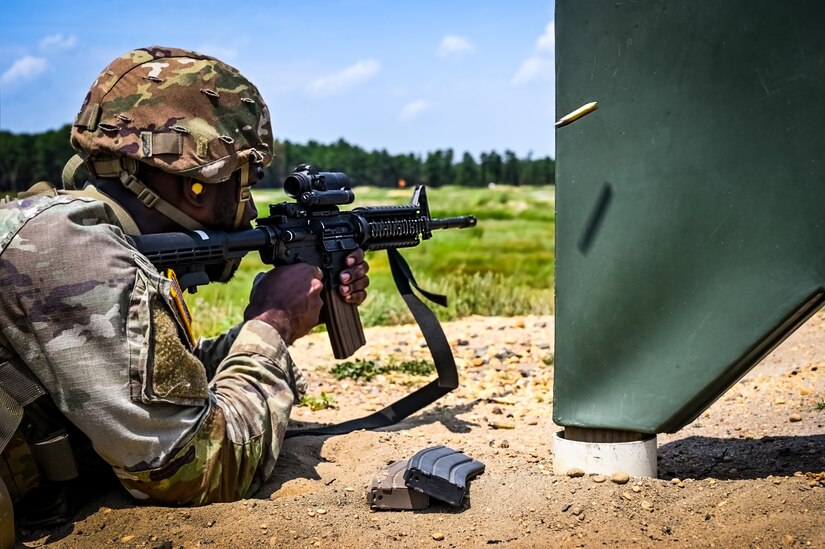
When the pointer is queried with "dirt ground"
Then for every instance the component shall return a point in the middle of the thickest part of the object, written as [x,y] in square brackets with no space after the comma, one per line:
[747,473]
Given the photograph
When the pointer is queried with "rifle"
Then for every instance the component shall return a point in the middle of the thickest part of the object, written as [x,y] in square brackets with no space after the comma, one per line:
[311,230]
[314,230]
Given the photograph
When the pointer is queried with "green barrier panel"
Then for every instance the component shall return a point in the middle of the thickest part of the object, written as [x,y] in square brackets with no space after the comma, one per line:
[690,209]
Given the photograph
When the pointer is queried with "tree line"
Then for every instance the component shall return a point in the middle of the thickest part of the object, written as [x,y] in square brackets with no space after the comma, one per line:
[28,158]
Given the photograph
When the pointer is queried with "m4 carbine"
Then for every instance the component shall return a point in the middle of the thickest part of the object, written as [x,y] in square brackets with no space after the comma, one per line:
[312,230]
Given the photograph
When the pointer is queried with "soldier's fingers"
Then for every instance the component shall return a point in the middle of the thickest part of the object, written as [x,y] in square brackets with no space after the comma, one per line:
[355,257]
[359,284]
[356,298]
[354,273]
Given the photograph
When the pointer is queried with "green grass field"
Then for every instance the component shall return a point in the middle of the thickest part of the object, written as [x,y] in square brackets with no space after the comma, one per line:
[502,267]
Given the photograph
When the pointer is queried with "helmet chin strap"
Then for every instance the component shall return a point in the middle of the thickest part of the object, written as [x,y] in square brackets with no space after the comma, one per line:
[125,171]
[244,192]
[125,168]
[150,199]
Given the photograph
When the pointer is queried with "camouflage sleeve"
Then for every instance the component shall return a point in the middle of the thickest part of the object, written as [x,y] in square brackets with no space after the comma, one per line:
[94,322]
[211,351]
[235,449]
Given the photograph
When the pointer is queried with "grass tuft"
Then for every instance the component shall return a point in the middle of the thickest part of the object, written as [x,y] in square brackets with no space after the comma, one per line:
[366,370]
[320,402]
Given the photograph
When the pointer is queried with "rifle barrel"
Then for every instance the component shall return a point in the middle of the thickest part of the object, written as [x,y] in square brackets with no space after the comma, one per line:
[460,222]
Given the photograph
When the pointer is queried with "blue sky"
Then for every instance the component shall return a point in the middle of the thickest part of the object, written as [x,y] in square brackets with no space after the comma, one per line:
[403,76]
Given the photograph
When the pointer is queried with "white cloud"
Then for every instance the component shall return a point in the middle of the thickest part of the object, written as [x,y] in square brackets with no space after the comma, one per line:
[58,42]
[533,68]
[453,48]
[546,43]
[539,65]
[347,78]
[414,108]
[25,68]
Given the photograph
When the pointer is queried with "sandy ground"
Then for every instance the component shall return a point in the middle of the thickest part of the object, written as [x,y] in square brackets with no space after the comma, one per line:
[747,473]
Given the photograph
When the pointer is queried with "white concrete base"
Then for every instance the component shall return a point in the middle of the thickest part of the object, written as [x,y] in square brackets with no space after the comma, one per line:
[637,459]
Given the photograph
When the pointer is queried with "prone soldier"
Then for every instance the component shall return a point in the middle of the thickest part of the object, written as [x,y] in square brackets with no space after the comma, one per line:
[96,347]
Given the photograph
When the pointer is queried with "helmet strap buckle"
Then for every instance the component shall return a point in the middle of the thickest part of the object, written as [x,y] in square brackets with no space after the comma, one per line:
[148,197]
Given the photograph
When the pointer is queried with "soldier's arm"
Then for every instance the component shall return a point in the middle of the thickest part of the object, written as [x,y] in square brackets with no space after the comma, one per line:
[212,350]
[95,324]
[235,447]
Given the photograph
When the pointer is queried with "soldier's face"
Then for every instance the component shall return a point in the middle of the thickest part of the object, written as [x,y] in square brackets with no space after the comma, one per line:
[225,207]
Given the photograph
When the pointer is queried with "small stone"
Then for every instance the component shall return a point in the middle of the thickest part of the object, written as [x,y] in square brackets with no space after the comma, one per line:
[675,481]
[598,479]
[504,444]
[565,507]
[577,511]
[637,489]
[349,489]
[795,418]
[620,477]
[273,541]
[574,472]
[646,505]
[438,536]
[321,511]
[502,425]
[127,539]
[497,410]
[627,496]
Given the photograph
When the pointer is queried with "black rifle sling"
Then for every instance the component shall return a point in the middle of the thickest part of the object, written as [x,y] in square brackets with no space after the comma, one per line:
[439,349]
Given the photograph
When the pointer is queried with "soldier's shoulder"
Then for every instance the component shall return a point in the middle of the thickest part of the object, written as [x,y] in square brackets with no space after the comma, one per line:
[44,218]
[57,207]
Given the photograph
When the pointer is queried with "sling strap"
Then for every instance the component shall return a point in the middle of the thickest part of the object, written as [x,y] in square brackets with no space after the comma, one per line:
[439,349]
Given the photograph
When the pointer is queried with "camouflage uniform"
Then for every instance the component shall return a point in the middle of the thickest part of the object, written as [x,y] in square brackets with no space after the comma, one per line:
[180,422]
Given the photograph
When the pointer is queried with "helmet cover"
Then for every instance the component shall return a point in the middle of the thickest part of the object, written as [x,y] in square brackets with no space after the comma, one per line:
[180,111]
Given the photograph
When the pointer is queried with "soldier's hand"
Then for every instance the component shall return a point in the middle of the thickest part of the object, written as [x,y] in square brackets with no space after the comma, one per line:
[354,279]
[288,299]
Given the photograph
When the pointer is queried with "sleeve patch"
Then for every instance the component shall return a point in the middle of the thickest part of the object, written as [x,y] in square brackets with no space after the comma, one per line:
[177,374]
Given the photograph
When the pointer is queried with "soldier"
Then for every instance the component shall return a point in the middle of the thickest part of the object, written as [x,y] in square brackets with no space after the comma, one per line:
[96,345]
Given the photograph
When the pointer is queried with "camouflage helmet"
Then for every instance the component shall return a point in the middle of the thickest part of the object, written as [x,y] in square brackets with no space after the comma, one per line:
[179,111]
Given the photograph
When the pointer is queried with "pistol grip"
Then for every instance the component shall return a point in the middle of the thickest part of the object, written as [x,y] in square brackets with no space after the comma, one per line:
[346,334]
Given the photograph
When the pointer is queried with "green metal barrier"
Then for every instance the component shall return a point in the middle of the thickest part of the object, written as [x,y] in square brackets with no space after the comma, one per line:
[690,209]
